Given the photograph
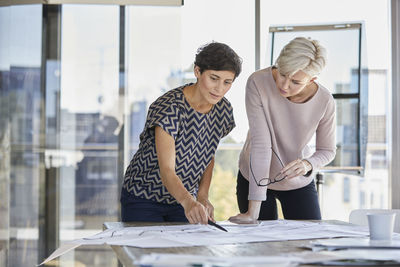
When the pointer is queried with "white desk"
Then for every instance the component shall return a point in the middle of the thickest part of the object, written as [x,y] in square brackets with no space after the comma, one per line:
[126,254]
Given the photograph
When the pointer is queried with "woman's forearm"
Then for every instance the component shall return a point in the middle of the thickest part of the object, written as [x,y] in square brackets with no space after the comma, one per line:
[254,208]
[205,181]
[175,187]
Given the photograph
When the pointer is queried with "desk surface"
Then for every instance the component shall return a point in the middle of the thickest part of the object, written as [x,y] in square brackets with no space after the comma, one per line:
[126,255]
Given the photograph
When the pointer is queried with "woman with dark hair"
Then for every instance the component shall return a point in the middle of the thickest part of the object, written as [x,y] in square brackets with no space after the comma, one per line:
[168,178]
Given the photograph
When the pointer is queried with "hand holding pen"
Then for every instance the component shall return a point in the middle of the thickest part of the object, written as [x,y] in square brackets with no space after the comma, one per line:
[195,211]
[201,211]
[209,207]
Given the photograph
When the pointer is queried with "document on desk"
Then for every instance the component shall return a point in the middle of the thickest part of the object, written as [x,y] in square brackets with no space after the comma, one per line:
[360,257]
[181,260]
[355,243]
[204,235]
[338,258]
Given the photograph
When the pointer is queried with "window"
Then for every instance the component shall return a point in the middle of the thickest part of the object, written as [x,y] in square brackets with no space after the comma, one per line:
[97,92]
[342,77]
[89,117]
[20,153]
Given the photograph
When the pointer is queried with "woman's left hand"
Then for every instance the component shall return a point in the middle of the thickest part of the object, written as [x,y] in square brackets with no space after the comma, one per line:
[296,168]
[209,207]
[243,218]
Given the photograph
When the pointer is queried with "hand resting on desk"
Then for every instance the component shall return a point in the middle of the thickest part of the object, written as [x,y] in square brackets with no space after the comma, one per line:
[250,216]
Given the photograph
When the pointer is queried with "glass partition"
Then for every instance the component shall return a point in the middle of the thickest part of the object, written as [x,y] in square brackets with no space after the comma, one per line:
[4,134]
[89,126]
[153,62]
[20,139]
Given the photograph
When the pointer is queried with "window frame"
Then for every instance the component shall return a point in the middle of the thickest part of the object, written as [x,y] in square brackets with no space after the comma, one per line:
[98,2]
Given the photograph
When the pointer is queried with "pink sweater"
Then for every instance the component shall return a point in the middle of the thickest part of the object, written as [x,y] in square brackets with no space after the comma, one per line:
[281,129]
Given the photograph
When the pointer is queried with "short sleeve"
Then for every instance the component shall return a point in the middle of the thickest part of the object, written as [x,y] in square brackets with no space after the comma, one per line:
[165,115]
[224,113]
[231,124]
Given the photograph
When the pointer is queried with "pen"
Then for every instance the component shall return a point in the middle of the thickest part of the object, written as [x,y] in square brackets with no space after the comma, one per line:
[216,225]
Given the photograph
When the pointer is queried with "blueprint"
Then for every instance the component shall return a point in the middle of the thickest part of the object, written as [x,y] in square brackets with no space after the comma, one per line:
[204,235]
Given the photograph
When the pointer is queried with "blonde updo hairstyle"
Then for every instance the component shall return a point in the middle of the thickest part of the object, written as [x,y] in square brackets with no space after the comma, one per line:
[302,54]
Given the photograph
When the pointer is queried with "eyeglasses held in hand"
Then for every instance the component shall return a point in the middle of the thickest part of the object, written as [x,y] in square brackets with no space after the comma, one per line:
[268,181]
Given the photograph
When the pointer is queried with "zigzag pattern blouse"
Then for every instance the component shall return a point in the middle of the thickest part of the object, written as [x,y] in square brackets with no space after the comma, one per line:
[196,136]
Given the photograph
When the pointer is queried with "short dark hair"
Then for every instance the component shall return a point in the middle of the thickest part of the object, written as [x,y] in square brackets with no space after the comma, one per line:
[218,56]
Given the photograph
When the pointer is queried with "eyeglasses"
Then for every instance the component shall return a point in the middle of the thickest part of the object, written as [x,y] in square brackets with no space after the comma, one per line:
[268,181]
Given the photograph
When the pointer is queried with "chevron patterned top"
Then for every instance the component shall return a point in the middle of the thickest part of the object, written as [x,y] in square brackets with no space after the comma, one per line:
[196,139]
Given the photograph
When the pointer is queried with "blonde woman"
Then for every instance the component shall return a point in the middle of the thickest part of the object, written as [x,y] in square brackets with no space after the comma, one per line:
[285,107]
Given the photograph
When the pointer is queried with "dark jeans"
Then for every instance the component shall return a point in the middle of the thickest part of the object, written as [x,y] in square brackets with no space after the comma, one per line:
[298,204]
[135,209]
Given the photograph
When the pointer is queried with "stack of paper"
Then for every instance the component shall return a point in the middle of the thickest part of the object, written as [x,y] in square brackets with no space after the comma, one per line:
[358,251]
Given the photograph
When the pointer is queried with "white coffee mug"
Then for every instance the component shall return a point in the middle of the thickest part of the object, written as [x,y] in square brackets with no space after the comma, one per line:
[381,225]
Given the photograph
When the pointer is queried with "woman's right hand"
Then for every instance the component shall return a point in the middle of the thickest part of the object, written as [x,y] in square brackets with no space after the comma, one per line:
[195,212]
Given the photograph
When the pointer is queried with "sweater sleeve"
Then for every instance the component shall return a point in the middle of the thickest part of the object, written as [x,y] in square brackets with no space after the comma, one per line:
[325,149]
[260,152]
